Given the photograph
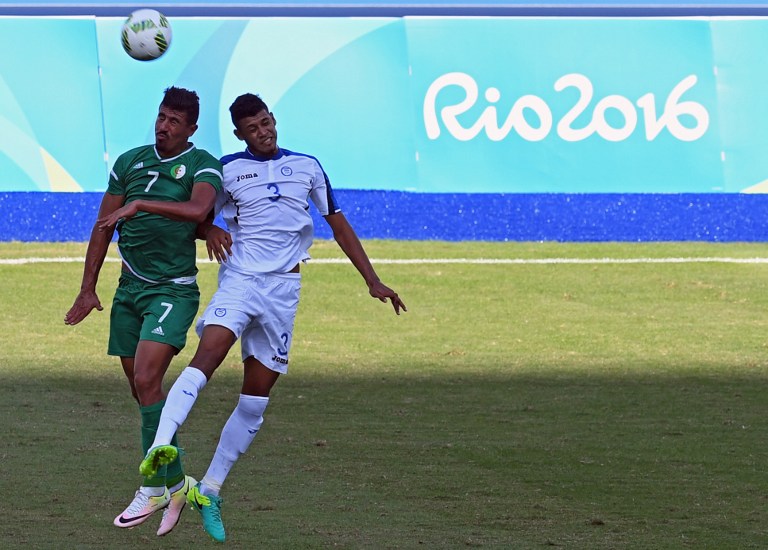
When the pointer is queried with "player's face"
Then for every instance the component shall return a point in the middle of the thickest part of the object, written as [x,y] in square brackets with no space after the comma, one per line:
[259,133]
[172,132]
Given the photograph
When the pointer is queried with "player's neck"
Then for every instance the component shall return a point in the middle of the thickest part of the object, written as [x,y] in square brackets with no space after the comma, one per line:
[170,153]
[264,155]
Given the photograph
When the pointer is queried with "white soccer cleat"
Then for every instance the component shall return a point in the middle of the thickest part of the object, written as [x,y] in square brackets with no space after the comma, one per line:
[172,512]
[141,508]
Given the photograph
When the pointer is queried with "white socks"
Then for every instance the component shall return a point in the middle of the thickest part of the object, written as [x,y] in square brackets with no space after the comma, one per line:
[181,398]
[237,435]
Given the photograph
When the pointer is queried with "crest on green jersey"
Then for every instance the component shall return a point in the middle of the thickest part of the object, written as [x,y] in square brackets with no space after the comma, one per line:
[178,171]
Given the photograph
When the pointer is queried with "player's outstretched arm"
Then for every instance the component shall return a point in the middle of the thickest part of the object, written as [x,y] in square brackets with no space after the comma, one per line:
[196,209]
[353,248]
[87,300]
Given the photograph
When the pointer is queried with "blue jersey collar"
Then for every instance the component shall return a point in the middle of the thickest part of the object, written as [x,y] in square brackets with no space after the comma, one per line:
[276,156]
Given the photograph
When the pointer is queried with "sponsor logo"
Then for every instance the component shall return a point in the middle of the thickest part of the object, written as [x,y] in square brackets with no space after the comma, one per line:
[123,520]
[286,171]
[253,431]
[158,331]
[242,177]
[189,393]
[178,171]
[197,501]
[281,360]
[533,120]
[138,165]
[220,311]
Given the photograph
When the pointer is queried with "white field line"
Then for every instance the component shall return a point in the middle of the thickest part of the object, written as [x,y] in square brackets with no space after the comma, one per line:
[491,261]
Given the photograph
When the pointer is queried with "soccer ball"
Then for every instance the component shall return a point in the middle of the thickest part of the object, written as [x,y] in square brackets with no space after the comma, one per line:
[146,34]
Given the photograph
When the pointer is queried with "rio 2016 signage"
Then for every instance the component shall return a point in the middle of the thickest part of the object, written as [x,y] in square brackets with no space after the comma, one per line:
[443,105]
[488,121]
[590,106]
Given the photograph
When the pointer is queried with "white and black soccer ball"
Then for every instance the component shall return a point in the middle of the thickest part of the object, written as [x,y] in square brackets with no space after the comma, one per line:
[146,34]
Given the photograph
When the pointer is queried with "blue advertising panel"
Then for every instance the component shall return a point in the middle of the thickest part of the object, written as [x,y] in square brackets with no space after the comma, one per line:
[438,105]
[531,105]
[340,91]
[742,75]
[441,128]
[51,136]
[197,59]
[338,87]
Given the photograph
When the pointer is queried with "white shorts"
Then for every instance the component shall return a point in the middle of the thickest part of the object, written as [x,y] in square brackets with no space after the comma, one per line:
[260,310]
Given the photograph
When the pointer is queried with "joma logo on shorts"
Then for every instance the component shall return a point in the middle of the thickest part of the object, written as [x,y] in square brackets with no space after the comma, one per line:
[242,177]
[277,359]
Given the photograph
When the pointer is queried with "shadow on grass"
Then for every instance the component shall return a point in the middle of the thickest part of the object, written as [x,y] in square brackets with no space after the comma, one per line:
[393,461]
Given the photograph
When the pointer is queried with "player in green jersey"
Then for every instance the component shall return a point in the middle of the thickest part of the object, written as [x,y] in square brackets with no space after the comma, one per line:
[156,196]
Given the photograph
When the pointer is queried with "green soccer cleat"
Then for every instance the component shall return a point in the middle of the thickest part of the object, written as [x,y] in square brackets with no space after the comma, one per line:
[157,457]
[209,507]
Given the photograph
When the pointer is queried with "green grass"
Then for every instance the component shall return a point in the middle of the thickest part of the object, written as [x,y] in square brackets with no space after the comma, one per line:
[583,406]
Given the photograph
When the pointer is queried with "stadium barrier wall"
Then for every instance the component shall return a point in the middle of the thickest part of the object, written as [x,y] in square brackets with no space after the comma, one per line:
[429,128]
[589,217]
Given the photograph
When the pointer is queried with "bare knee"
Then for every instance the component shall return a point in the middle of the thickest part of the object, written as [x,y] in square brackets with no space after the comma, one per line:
[213,348]
[257,378]
[147,386]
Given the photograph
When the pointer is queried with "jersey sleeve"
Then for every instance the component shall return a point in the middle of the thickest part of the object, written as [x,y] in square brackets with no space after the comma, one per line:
[221,199]
[209,170]
[322,193]
[116,183]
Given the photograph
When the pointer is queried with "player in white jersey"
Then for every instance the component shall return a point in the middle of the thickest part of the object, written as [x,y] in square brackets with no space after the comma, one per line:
[265,202]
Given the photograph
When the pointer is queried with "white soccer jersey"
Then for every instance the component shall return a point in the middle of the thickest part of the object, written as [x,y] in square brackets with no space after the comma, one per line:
[265,204]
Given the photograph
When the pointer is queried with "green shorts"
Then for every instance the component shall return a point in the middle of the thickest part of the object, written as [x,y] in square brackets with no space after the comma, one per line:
[160,312]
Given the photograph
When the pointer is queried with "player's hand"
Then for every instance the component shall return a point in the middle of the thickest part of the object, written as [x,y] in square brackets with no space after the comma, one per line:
[382,292]
[85,302]
[125,212]
[219,244]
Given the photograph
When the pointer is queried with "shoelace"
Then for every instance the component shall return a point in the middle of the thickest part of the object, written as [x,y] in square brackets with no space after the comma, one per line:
[216,509]
[140,500]
[214,505]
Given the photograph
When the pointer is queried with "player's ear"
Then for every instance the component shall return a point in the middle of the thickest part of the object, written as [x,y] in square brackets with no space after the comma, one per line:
[193,129]
[273,119]
[238,135]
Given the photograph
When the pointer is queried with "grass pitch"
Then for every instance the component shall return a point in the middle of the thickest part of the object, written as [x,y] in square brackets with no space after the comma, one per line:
[522,405]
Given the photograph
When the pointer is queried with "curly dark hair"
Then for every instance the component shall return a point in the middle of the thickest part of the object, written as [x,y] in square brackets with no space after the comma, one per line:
[184,101]
[245,106]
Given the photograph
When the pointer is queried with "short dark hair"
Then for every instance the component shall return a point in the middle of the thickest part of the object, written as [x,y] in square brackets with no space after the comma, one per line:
[184,101]
[245,106]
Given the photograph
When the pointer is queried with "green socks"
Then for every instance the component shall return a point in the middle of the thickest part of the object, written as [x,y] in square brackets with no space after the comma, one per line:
[171,474]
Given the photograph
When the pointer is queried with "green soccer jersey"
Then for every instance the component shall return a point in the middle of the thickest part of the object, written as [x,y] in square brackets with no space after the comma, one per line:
[153,247]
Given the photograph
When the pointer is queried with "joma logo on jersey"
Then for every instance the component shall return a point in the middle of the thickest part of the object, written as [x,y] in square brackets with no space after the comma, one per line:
[242,177]
[281,360]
